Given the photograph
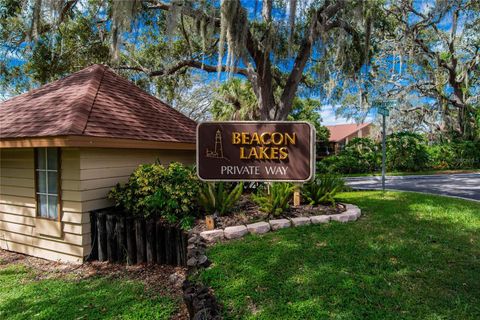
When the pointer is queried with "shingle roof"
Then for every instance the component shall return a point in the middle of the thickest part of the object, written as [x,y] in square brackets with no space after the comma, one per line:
[93,102]
[341,131]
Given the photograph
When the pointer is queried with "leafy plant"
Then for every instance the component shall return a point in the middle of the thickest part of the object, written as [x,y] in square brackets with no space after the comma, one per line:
[454,155]
[360,155]
[323,189]
[218,197]
[155,190]
[406,151]
[274,200]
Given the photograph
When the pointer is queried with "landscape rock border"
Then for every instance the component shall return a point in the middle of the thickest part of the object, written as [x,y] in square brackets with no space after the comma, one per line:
[199,299]
[234,232]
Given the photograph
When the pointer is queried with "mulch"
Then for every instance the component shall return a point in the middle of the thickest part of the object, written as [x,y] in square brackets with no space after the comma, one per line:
[246,211]
[161,279]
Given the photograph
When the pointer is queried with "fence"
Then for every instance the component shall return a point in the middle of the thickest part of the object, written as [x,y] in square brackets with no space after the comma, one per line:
[136,240]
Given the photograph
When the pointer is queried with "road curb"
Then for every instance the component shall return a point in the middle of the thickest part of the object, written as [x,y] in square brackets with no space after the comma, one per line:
[427,193]
[379,178]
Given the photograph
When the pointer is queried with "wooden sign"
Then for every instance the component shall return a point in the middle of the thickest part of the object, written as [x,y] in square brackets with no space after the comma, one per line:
[255,151]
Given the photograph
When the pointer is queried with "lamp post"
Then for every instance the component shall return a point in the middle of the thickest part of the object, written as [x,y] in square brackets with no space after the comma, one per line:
[383,109]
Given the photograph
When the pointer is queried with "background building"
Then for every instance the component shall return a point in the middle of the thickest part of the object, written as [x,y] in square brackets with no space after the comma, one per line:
[340,135]
[64,145]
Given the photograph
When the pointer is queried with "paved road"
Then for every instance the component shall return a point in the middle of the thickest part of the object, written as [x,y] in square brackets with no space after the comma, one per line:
[459,185]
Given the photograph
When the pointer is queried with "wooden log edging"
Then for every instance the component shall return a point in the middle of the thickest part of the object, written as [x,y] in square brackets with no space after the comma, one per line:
[134,240]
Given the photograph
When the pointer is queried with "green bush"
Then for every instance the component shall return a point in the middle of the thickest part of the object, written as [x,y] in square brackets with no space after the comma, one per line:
[360,155]
[455,155]
[155,190]
[406,151]
[441,156]
[366,154]
[323,189]
[274,200]
[218,198]
[321,167]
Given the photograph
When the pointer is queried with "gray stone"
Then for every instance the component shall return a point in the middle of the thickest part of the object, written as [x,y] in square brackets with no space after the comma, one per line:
[196,252]
[353,209]
[300,221]
[192,262]
[193,239]
[358,211]
[202,260]
[235,232]
[259,227]
[320,219]
[349,206]
[212,235]
[341,217]
[279,224]
[176,279]
[352,214]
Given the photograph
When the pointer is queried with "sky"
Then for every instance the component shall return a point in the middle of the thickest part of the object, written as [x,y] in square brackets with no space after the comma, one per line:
[328,113]
[330,118]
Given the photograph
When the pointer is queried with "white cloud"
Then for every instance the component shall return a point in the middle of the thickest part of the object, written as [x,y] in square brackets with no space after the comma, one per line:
[329,117]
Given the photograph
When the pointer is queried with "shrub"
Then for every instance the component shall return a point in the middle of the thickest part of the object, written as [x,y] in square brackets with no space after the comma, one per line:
[366,154]
[467,154]
[406,151]
[218,197]
[323,189]
[345,163]
[154,190]
[455,155]
[321,167]
[441,156]
[360,155]
[275,200]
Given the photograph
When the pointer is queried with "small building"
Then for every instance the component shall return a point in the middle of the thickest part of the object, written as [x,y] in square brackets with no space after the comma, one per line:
[341,134]
[64,145]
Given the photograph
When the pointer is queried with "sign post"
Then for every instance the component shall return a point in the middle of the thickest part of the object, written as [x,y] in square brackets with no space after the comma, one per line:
[266,151]
[383,110]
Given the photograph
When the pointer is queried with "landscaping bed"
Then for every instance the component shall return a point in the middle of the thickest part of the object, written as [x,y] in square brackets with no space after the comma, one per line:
[247,211]
[36,288]
[410,256]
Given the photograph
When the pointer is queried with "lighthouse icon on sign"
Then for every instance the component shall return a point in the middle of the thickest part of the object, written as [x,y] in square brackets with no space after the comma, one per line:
[218,151]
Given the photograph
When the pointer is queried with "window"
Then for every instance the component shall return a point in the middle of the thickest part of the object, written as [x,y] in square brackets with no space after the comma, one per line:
[47,177]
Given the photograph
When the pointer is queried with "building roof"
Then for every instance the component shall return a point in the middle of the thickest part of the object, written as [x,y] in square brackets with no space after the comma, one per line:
[341,131]
[93,102]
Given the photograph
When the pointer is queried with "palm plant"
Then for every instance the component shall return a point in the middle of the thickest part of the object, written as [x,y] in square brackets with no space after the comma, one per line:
[275,200]
[323,189]
[217,198]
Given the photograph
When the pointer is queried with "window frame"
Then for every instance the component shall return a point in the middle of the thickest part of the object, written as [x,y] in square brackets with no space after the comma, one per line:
[59,185]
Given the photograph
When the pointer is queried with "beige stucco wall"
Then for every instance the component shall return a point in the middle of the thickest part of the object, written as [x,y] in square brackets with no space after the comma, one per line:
[87,176]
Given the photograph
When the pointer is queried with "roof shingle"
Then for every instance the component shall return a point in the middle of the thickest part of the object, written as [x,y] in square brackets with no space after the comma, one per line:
[341,131]
[94,102]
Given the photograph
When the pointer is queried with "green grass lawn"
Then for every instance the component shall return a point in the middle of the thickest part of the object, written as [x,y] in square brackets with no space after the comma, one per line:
[22,296]
[410,256]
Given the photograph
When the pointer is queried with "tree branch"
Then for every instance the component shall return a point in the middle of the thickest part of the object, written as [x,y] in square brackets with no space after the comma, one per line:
[191,63]
[320,17]
[185,10]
